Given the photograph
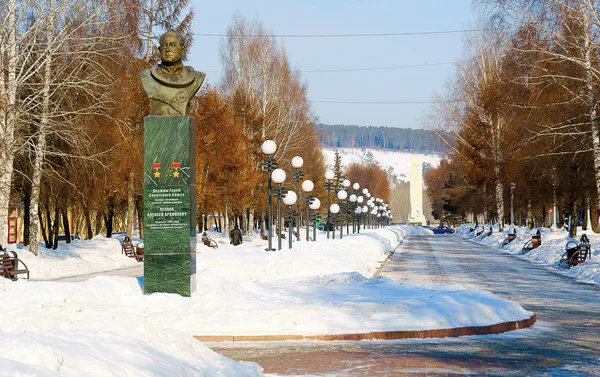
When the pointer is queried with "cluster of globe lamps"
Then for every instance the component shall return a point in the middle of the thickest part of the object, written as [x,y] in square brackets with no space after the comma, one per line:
[375,212]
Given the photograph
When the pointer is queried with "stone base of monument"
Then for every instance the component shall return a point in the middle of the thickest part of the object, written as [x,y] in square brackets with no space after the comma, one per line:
[169,205]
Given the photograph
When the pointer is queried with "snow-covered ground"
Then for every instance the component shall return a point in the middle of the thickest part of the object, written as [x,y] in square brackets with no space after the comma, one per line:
[548,253]
[399,162]
[106,326]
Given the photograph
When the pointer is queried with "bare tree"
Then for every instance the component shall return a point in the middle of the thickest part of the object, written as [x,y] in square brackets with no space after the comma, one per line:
[269,93]
[476,117]
[12,15]
[569,63]
[70,83]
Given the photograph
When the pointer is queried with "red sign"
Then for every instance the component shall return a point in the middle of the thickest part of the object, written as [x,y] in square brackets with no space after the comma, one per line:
[549,210]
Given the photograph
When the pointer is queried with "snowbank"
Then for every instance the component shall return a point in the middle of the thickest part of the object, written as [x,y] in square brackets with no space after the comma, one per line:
[107,326]
[549,253]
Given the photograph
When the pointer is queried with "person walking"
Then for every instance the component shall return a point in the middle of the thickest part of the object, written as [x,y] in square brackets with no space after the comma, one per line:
[235,236]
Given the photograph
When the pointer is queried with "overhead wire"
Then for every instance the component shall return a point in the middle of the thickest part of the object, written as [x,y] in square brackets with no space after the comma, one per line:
[358,35]
[365,69]
[372,102]
[391,102]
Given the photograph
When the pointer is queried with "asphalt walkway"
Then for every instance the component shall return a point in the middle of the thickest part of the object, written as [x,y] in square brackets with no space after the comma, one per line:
[564,341]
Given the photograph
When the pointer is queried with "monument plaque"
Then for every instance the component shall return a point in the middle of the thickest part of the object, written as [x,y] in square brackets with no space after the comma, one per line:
[169,172]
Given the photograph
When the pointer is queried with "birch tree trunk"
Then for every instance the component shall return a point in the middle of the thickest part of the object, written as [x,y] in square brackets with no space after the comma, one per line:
[529,214]
[8,91]
[588,225]
[592,102]
[500,203]
[40,144]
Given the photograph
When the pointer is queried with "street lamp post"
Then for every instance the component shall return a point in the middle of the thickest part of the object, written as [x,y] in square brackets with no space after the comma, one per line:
[278,177]
[346,184]
[316,203]
[329,174]
[512,195]
[374,216]
[367,197]
[359,201]
[334,208]
[297,163]
[369,209]
[352,207]
[342,195]
[307,187]
[357,212]
[290,199]
[269,147]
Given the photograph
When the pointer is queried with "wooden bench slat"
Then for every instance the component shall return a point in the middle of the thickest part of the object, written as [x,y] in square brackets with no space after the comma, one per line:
[9,267]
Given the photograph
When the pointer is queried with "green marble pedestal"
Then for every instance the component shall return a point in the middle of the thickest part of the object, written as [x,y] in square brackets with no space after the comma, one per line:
[169,205]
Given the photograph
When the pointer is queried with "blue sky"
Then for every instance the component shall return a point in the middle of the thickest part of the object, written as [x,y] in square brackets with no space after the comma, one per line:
[352,17]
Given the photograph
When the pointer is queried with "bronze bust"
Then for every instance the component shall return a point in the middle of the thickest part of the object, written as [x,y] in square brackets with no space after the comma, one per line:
[170,85]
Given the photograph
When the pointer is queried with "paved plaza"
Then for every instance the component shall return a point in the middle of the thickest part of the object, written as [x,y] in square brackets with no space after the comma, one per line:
[563,342]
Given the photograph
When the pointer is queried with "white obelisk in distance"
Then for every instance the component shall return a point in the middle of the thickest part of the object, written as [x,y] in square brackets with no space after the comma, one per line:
[416,190]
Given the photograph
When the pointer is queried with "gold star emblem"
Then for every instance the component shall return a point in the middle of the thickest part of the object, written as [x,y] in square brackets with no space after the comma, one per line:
[157,174]
[176,174]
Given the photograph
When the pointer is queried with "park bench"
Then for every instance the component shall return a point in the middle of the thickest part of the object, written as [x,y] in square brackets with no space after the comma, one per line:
[533,243]
[139,252]
[209,241]
[576,253]
[9,266]
[128,249]
[510,238]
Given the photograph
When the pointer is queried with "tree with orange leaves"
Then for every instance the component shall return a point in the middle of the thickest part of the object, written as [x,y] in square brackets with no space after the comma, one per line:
[372,177]
[225,174]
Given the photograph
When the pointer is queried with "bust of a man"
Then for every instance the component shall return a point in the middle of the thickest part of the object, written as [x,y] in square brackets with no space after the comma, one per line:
[170,85]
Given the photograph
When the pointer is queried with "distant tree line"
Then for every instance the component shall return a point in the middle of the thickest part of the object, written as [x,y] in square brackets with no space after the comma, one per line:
[395,139]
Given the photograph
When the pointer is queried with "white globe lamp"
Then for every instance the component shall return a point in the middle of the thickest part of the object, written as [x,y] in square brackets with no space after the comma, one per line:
[278,176]
[308,186]
[315,204]
[290,198]
[269,147]
[297,162]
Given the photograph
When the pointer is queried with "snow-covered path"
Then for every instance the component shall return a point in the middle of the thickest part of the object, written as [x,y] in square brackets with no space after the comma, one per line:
[128,271]
[563,342]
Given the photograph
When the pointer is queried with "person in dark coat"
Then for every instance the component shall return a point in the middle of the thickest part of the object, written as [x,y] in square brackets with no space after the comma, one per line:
[235,236]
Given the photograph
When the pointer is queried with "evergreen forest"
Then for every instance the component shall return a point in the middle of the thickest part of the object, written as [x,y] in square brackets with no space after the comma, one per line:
[395,139]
